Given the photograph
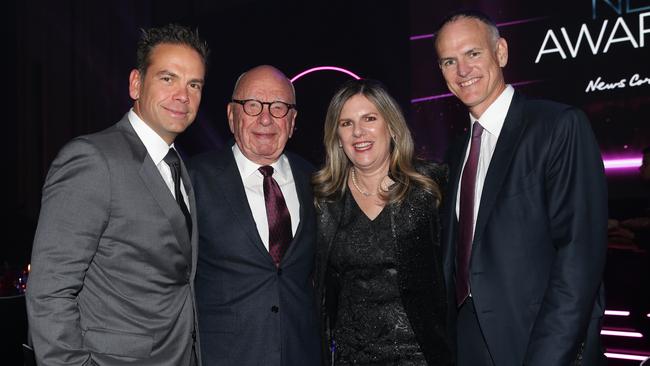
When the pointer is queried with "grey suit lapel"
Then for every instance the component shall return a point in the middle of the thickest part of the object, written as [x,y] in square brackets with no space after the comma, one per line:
[187,183]
[513,128]
[156,185]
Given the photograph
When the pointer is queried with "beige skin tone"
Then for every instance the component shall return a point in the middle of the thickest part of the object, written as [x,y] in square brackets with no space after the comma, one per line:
[262,138]
[365,139]
[167,97]
[471,63]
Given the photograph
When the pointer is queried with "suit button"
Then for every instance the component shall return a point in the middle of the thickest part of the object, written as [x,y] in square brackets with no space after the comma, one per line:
[275,309]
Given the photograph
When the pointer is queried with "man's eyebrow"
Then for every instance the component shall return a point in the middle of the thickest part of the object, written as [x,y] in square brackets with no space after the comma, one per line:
[166,72]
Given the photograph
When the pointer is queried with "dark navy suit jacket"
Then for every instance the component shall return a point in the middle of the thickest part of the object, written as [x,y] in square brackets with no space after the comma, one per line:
[540,239]
[250,312]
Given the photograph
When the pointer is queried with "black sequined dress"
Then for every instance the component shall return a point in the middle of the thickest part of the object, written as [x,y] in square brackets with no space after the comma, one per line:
[372,327]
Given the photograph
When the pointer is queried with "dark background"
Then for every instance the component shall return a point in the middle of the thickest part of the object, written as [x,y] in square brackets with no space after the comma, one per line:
[68,62]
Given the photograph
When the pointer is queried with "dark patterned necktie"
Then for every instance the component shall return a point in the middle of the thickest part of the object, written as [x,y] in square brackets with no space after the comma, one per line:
[277,215]
[174,163]
[466,216]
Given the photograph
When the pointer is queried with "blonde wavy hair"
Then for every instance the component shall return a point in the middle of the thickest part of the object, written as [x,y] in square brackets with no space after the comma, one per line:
[330,182]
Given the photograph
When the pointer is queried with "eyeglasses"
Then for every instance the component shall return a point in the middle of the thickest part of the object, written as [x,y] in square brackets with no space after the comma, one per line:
[253,107]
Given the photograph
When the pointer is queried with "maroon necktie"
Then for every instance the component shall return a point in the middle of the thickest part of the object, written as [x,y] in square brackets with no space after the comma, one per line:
[466,216]
[277,215]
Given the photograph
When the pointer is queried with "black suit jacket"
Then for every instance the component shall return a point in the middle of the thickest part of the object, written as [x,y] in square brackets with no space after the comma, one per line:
[540,239]
[250,312]
[416,236]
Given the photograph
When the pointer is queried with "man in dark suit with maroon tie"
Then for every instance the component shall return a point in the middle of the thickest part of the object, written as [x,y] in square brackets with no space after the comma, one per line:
[257,235]
[525,214]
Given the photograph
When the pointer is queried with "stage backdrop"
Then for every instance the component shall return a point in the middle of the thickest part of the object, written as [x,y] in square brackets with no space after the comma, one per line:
[590,53]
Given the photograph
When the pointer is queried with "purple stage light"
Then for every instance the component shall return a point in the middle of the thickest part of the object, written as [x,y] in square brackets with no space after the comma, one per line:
[325,68]
[621,333]
[504,24]
[619,164]
[617,312]
[626,356]
[440,96]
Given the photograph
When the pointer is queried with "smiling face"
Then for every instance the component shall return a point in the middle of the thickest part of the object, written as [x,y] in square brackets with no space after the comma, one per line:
[262,138]
[364,134]
[168,95]
[471,61]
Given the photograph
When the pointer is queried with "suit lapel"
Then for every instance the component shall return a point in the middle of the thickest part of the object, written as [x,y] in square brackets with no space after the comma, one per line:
[228,180]
[511,133]
[303,190]
[456,157]
[187,183]
[156,185]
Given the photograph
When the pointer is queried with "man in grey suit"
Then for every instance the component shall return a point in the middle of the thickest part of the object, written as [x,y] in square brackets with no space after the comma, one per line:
[115,251]
[253,284]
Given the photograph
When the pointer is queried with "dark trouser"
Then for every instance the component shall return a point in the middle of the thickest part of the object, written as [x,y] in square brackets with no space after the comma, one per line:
[471,347]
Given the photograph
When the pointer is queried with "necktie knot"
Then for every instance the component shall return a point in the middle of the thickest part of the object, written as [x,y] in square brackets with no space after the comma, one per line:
[477,130]
[266,170]
[172,157]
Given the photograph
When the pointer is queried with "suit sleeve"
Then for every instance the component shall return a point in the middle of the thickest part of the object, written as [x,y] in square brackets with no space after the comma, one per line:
[74,212]
[577,209]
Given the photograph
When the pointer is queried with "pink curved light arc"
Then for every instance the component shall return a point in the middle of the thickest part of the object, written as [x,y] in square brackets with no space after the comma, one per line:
[325,68]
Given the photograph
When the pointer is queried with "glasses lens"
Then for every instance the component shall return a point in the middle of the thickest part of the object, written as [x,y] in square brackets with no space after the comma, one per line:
[253,107]
[278,109]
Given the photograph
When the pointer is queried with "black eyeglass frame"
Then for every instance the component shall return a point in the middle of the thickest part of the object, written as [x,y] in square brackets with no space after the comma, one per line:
[242,102]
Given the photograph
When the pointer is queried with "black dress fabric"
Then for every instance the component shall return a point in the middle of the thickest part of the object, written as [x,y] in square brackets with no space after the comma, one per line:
[393,309]
[376,328]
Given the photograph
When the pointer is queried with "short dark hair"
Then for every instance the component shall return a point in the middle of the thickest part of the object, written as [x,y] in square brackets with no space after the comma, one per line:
[170,34]
[471,14]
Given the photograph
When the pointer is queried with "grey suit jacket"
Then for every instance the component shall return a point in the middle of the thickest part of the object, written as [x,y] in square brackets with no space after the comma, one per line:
[112,265]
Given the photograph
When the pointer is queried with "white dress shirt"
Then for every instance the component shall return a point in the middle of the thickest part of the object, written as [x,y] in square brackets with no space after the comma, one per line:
[157,149]
[253,185]
[492,122]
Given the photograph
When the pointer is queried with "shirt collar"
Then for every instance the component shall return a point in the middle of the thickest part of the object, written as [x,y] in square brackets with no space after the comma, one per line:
[155,145]
[281,167]
[493,117]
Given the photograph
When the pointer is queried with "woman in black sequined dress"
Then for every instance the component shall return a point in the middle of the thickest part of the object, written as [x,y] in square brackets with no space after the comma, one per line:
[378,268]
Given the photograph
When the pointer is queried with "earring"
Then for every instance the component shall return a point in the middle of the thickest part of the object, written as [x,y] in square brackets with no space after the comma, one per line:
[340,145]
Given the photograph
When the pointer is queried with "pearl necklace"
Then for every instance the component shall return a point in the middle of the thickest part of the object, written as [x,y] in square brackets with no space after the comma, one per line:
[356,185]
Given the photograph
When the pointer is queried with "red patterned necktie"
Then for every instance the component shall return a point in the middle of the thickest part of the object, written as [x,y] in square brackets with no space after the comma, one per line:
[277,215]
[466,216]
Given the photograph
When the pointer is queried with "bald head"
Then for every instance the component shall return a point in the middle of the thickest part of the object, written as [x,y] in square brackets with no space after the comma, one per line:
[263,72]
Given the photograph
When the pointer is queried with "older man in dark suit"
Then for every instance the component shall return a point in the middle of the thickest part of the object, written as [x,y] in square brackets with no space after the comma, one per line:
[526,214]
[115,250]
[257,233]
